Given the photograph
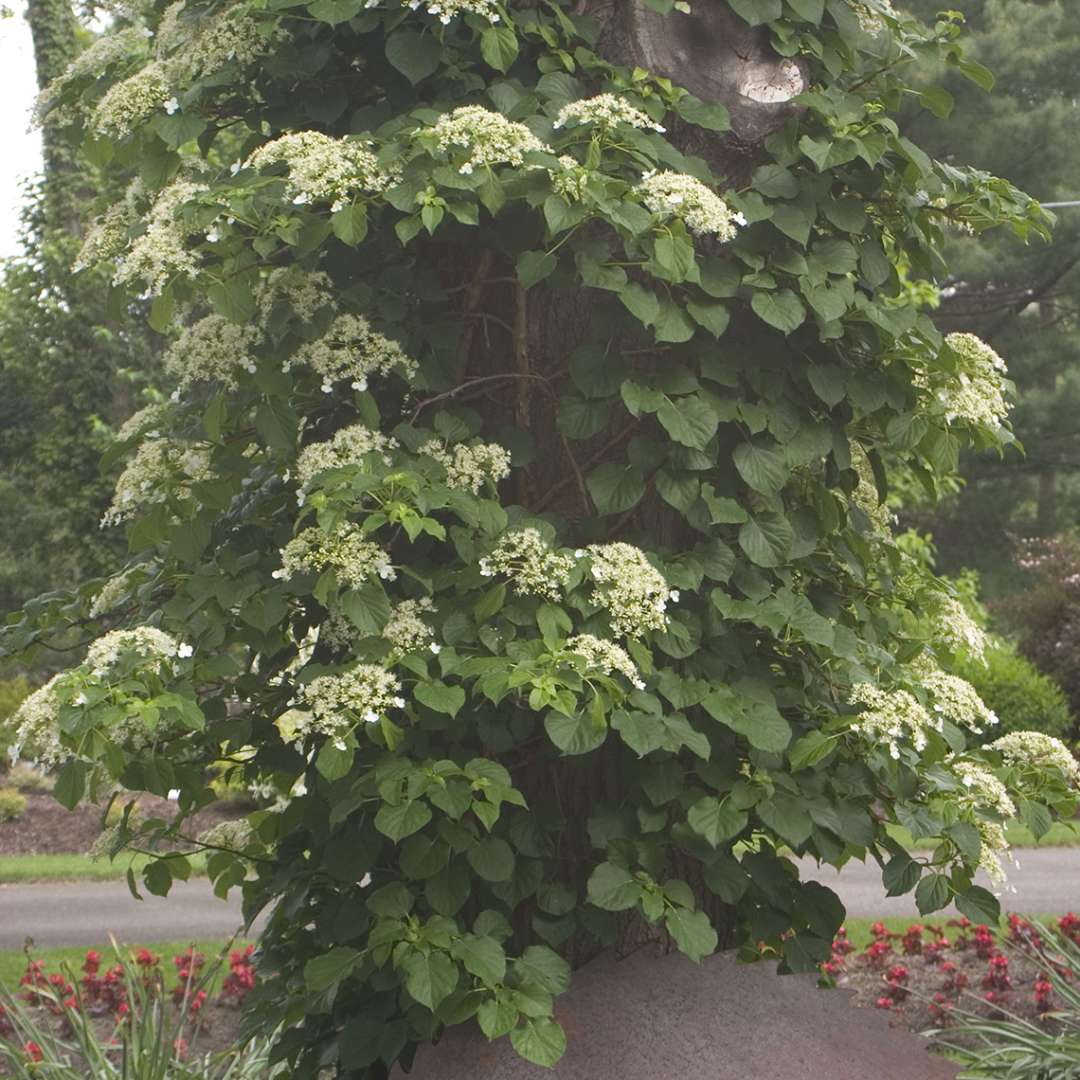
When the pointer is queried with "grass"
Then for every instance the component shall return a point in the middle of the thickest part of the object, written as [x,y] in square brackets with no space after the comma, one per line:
[24,869]
[858,930]
[1061,834]
[13,961]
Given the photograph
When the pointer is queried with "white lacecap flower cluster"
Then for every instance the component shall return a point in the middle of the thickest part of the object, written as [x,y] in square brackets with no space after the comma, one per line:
[570,179]
[107,237]
[233,35]
[130,103]
[633,591]
[351,351]
[35,723]
[892,717]
[344,550]
[480,138]
[349,446]
[212,349]
[982,790]
[306,292]
[977,394]
[1033,748]
[123,44]
[953,697]
[445,10]
[322,169]
[364,694]
[160,468]
[147,423]
[235,835]
[956,631]
[406,629]
[605,111]
[866,496]
[149,643]
[870,20]
[161,252]
[605,657]
[671,194]
[531,564]
[469,468]
[115,591]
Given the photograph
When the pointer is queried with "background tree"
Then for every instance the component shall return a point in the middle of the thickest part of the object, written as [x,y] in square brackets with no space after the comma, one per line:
[517,513]
[1021,298]
[73,360]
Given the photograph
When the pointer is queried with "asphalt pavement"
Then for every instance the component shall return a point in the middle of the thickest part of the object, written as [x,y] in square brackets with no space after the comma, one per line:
[86,913]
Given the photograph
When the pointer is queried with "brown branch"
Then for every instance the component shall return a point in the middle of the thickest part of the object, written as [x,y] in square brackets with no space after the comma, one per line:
[450,395]
[586,501]
[474,294]
[601,453]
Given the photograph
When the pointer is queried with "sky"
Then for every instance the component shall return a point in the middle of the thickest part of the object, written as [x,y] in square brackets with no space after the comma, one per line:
[21,157]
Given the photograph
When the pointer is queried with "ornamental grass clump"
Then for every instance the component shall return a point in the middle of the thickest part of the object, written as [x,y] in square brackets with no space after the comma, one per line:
[517,510]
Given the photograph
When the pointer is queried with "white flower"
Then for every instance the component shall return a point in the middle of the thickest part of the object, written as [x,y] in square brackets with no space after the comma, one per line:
[160,468]
[184,651]
[606,657]
[891,716]
[351,350]
[213,349]
[534,568]
[338,702]
[955,631]
[469,468]
[161,252]
[322,168]
[487,138]
[632,590]
[1033,748]
[171,106]
[605,111]
[671,194]
[406,629]
[343,550]
[349,446]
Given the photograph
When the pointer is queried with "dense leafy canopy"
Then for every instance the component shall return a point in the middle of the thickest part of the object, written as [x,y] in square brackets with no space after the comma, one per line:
[516,519]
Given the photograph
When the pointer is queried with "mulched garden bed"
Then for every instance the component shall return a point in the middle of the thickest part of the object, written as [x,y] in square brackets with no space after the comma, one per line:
[926,974]
[46,828]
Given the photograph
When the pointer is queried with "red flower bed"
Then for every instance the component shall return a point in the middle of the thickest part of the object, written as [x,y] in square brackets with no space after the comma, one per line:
[922,978]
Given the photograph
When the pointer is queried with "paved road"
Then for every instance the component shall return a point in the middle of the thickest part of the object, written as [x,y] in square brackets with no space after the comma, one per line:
[87,912]
[1047,882]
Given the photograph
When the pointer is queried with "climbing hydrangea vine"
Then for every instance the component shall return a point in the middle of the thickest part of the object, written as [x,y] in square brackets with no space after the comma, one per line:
[516,523]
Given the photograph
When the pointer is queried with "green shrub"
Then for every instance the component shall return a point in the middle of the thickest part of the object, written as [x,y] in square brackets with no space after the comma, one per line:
[1022,696]
[25,777]
[12,693]
[12,804]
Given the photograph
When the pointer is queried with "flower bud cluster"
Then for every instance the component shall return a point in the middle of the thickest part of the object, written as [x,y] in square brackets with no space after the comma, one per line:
[954,698]
[976,393]
[233,35]
[160,468]
[891,716]
[981,788]
[108,236]
[469,468]
[671,194]
[870,20]
[116,591]
[632,590]
[161,252]
[37,735]
[351,351]
[344,550]
[571,179]
[349,446]
[1033,748]
[479,138]
[605,111]
[535,569]
[446,10]
[406,629]
[322,169]
[148,643]
[145,423]
[605,657]
[126,105]
[212,349]
[956,631]
[339,702]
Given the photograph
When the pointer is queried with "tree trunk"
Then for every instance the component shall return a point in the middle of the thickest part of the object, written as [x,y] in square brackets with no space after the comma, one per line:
[518,345]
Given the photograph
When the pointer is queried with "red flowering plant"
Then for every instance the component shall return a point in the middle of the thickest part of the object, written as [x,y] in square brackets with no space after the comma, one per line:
[123,1021]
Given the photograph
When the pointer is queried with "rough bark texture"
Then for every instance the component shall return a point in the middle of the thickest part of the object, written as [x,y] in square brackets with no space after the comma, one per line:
[55,33]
